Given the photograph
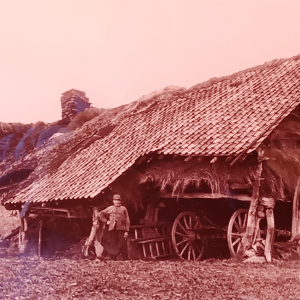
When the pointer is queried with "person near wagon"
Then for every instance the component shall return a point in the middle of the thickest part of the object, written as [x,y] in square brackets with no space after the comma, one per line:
[117,219]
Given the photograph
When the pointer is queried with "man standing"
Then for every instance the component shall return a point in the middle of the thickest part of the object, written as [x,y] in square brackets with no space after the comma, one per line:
[117,218]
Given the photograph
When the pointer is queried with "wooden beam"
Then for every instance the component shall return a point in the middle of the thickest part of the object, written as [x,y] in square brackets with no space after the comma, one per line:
[22,234]
[270,234]
[252,213]
[295,213]
[240,197]
[58,212]
[40,238]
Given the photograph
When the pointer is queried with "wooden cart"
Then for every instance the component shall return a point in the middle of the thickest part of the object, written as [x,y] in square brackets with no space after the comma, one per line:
[190,236]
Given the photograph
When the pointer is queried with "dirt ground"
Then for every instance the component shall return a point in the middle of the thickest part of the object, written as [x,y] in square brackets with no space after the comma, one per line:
[33,278]
[61,278]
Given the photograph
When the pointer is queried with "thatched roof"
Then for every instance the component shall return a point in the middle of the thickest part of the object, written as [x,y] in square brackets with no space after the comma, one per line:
[229,116]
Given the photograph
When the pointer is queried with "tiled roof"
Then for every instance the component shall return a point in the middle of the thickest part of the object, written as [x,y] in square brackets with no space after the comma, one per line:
[219,118]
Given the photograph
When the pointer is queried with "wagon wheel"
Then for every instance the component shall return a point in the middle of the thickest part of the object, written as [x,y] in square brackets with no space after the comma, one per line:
[237,228]
[184,238]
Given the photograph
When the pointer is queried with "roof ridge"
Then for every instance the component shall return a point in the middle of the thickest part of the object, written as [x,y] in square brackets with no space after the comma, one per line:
[270,64]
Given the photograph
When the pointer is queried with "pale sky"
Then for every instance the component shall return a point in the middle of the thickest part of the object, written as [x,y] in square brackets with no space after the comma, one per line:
[118,50]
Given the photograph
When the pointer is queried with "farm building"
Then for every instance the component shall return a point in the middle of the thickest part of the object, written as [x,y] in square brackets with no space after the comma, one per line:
[217,160]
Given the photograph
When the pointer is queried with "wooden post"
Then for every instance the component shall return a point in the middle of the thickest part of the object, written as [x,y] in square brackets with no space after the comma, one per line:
[20,230]
[295,213]
[270,234]
[22,235]
[40,238]
[252,214]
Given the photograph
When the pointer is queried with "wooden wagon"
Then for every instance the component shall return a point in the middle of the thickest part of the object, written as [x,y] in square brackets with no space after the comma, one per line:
[192,225]
[190,235]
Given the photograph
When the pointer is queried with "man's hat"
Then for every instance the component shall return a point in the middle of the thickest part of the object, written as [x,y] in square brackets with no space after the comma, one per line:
[116,197]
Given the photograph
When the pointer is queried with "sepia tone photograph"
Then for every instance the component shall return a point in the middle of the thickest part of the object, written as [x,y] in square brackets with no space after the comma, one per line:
[150,149]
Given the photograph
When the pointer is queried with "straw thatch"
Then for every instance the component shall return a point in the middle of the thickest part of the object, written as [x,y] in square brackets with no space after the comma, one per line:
[200,175]
[178,175]
[284,153]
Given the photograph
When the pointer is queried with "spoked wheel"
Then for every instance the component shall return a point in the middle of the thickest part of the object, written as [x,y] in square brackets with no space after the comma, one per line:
[236,230]
[184,237]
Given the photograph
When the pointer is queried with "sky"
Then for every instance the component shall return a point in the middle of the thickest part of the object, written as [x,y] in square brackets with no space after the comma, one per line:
[118,50]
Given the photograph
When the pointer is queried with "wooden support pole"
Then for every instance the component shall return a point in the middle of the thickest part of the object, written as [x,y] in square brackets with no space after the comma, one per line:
[25,224]
[252,214]
[295,213]
[20,230]
[22,235]
[40,238]
[20,238]
[270,234]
